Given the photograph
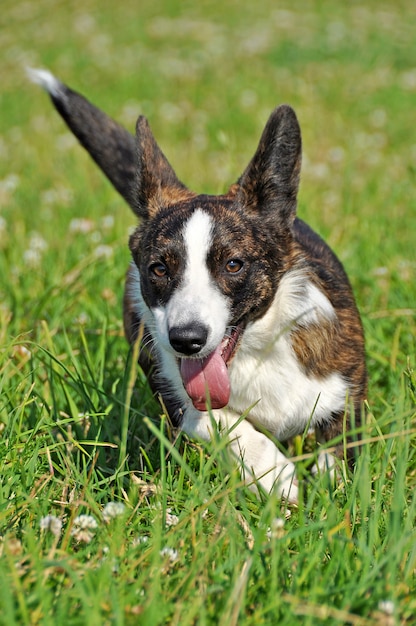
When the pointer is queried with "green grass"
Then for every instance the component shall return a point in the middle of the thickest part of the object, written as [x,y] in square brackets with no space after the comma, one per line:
[191,545]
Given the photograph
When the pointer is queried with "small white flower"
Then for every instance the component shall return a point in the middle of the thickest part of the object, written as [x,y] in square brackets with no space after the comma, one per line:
[9,183]
[82,528]
[52,524]
[107,221]
[37,242]
[170,553]
[171,519]
[32,258]
[278,523]
[85,521]
[276,530]
[22,352]
[81,225]
[103,252]
[386,606]
[113,510]
[59,196]
[137,541]
[96,236]
[83,319]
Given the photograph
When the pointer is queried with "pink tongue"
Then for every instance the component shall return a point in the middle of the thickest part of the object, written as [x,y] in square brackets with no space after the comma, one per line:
[206,381]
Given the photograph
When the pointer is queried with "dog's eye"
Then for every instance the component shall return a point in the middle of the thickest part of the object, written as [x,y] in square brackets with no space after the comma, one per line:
[158,269]
[233,266]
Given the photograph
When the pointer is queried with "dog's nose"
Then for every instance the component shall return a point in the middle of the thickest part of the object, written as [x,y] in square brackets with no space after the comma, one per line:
[188,339]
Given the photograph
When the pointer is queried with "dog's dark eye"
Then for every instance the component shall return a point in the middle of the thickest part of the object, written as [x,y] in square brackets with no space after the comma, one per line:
[158,269]
[233,266]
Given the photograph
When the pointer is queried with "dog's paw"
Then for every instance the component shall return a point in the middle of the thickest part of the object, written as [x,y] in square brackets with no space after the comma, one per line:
[282,481]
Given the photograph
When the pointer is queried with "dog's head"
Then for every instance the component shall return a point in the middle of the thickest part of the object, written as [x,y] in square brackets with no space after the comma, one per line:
[209,265]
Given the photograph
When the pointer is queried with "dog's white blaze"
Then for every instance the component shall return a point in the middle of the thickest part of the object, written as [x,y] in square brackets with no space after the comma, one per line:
[197,298]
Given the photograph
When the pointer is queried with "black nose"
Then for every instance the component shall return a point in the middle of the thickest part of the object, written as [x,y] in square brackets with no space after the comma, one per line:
[188,339]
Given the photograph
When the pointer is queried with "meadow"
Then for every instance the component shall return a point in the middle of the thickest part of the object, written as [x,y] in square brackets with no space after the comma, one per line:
[106,516]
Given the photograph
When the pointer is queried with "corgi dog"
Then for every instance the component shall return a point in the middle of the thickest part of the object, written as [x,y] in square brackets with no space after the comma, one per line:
[248,322]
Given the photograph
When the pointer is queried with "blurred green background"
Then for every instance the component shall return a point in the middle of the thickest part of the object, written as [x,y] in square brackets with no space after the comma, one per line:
[207,75]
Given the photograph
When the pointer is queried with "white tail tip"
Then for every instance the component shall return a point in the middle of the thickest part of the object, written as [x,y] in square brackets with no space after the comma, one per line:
[46,80]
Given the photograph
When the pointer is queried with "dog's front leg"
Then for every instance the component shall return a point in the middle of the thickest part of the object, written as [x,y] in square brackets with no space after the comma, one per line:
[262,464]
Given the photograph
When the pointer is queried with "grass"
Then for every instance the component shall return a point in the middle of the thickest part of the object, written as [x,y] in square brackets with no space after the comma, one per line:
[188,543]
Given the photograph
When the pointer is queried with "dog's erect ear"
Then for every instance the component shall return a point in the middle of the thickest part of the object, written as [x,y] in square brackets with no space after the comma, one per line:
[111,146]
[270,183]
[156,185]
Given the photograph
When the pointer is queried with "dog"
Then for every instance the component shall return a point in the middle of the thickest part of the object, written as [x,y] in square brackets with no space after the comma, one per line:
[247,319]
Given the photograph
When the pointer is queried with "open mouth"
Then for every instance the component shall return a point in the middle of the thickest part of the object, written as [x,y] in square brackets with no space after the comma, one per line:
[206,380]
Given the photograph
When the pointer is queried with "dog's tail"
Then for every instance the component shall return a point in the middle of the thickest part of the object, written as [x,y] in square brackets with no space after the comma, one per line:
[111,146]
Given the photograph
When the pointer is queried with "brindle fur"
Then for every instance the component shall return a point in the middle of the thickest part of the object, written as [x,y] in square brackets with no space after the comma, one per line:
[262,207]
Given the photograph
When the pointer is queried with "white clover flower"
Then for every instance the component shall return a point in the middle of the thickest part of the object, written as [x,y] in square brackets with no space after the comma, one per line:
[171,519]
[22,352]
[83,319]
[276,530]
[85,521]
[37,242]
[32,258]
[52,524]
[386,606]
[170,553]
[81,225]
[96,236]
[113,510]
[60,196]
[9,183]
[103,252]
[83,527]
[107,221]
[138,541]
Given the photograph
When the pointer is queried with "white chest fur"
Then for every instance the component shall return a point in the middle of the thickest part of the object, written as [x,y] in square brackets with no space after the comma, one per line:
[266,373]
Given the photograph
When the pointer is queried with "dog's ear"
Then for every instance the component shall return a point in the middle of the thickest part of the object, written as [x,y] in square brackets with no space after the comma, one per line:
[270,183]
[156,185]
